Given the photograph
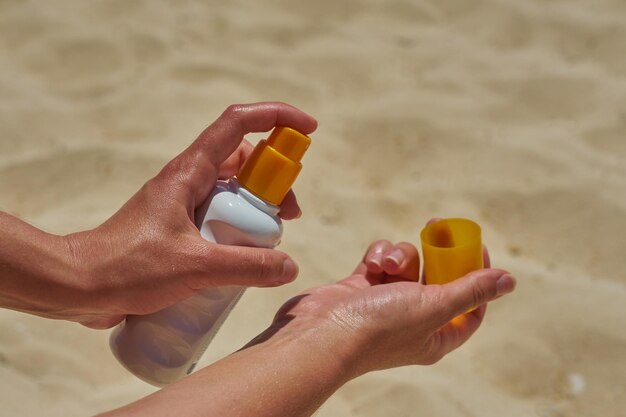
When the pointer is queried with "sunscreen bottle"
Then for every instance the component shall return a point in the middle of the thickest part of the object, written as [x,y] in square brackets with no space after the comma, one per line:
[162,347]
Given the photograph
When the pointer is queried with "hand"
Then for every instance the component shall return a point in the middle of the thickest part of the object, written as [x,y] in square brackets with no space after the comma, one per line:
[381,316]
[150,254]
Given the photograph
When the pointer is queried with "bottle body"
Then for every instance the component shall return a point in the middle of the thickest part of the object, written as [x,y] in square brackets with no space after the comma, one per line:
[164,346]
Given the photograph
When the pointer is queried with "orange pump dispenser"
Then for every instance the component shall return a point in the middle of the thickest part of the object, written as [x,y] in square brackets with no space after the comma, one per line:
[274,164]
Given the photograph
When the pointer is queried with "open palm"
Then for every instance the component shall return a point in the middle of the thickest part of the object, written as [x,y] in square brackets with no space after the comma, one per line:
[387,316]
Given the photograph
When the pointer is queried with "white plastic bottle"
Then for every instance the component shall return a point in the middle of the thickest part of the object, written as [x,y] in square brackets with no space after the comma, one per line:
[164,346]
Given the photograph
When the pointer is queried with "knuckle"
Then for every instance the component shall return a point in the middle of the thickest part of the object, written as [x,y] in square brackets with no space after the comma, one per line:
[233,111]
[179,172]
[378,246]
[171,172]
[264,270]
[432,351]
[434,295]
[435,357]
[479,296]
[154,186]
[430,360]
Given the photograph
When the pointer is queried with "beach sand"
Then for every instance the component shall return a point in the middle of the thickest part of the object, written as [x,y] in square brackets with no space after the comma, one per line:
[510,113]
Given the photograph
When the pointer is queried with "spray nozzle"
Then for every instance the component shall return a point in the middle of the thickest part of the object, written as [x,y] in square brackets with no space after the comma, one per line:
[274,164]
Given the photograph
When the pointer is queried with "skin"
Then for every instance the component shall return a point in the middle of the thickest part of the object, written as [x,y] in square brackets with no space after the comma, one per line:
[378,317]
[150,255]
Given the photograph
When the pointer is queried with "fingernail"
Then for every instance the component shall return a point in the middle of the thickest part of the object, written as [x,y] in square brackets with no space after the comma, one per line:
[376,259]
[396,257]
[505,284]
[290,271]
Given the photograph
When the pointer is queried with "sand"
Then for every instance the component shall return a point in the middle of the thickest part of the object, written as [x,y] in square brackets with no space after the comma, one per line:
[510,113]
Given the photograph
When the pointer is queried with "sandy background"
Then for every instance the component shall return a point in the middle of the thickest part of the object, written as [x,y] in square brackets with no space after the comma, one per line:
[508,112]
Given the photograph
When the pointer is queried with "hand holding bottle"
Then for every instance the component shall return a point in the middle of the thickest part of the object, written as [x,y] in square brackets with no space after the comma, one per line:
[166,345]
[150,254]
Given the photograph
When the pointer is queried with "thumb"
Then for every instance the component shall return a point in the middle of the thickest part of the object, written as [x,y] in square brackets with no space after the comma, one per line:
[474,290]
[238,265]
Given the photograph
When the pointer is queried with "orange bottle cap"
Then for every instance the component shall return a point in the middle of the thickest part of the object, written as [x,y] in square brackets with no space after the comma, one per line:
[274,164]
[452,248]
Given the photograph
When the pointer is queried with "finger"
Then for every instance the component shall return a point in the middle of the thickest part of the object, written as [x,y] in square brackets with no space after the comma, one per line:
[486,259]
[471,291]
[289,208]
[362,280]
[221,138]
[402,261]
[457,331]
[363,275]
[373,258]
[231,166]
[219,265]
[198,166]
[101,323]
[433,220]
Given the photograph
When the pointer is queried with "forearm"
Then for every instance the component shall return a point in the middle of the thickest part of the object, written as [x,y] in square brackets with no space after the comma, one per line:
[284,376]
[35,268]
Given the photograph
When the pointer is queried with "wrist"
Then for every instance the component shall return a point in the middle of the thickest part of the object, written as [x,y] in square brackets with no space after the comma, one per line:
[38,272]
[287,370]
[334,351]
[82,253]
[67,291]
